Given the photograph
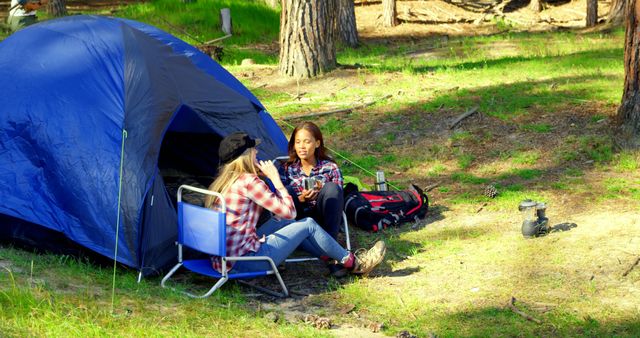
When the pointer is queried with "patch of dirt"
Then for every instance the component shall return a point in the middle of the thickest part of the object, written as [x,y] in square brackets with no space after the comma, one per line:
[475,275]
[459,18]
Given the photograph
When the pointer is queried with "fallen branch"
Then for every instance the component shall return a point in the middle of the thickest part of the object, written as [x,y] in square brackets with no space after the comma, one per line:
[431,187]
[511,305]
[260,288]
[631,267]
[218,39]
[181,30]
[344,110]
[464,116]
[482,207]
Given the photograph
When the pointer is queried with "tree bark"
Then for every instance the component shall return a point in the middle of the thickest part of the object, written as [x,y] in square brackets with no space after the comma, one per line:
[346,23]
[307,32]
[592,13]
[389,13]
[629,112]
[57,8]
[536,6]
[616,13]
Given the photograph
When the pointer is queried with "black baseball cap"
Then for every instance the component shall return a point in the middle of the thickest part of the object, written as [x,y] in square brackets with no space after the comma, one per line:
[233,145]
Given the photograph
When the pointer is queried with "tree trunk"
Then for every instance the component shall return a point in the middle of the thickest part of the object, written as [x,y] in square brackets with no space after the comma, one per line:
[389,13]
[592,13]
[536,6]
[346,23]
[57,8]
[616,13]
[629,111]
[307,33]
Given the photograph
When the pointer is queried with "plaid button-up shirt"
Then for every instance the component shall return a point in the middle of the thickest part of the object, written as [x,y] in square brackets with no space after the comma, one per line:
[324,171]
[245,199]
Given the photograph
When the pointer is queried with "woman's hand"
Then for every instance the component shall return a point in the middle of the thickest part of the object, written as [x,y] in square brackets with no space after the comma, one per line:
[308,195]
[271,172]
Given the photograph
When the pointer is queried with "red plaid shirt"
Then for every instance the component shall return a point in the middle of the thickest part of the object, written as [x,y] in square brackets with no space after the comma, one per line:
[324,171]
[245,199]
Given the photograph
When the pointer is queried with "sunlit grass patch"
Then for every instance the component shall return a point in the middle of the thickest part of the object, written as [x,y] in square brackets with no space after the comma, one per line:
[626,162]
[526,157]
[436,169]
[510,196]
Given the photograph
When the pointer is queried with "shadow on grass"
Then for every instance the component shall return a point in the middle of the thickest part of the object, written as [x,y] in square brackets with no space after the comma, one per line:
[377,53]
[421,129]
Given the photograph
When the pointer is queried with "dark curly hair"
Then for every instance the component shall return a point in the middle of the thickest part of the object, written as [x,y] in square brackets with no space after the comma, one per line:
[320,152]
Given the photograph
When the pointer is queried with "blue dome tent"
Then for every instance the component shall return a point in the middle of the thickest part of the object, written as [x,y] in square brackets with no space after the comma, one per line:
[97,115]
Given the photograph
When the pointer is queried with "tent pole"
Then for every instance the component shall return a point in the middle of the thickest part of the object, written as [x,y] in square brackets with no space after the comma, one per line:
[115,251]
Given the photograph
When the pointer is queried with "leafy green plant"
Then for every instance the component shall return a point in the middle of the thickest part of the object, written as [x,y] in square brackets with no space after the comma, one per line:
[465,160]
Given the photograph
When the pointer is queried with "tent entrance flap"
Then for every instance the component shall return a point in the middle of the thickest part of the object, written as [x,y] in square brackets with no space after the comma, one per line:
[189,152]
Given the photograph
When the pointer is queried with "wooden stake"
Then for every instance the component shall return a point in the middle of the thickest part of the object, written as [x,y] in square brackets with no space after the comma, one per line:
[225,19]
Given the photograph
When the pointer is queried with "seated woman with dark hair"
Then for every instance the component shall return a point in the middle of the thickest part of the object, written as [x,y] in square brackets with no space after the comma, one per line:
[308,159]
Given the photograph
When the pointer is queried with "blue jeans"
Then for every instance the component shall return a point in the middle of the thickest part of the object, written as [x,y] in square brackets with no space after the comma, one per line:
[328,208]
[284,236]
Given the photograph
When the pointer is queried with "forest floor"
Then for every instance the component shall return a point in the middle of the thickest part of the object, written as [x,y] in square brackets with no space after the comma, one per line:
[601,247]
[454,273]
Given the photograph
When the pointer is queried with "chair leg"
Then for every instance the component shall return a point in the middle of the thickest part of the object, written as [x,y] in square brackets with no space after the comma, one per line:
[275,271]
[346,231]
[215,287]
[166,278]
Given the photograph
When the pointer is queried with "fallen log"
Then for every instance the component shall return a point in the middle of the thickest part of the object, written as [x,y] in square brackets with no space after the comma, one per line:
[511,305]
[424,16]
[637,261]
[464,116]
[335,111]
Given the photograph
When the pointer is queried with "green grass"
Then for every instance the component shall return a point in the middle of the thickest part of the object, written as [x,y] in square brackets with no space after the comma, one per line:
[537,128]
[526,157]
[254,24]
[65,296]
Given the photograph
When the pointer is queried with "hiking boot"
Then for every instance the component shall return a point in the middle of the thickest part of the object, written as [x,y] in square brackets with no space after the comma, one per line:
[366,260]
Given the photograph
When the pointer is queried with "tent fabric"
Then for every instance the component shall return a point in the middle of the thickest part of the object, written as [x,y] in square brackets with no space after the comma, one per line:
[94,110]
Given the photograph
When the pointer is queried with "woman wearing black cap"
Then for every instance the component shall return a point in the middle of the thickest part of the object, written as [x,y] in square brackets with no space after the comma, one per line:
[246,196]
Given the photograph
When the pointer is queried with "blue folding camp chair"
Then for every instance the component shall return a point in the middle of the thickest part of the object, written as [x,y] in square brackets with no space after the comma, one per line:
[204,230]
